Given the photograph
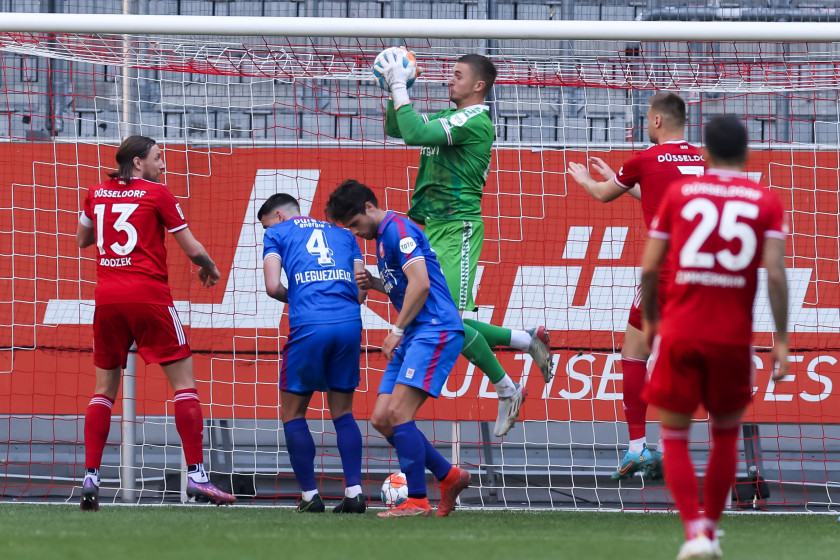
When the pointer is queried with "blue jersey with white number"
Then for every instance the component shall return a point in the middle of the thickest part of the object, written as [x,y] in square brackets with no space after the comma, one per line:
[318,258]
[399,244]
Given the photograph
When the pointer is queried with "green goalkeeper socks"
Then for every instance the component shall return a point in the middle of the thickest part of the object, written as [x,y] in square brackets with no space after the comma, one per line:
[478,352]
[495,336]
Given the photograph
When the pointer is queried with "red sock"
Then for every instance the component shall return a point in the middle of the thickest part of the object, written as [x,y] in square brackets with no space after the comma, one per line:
[681,479]
[190,425]
[635,409]
[97,426]
[720,474]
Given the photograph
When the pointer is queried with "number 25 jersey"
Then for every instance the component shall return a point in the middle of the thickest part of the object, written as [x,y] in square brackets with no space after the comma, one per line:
[716,224]
[130,223]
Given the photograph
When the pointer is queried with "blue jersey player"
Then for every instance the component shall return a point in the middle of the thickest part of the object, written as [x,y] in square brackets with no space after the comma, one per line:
[421,348]
[324,342]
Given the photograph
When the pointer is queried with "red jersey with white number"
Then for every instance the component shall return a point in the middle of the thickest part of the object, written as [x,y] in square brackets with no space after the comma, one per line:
[656,168]
[716,225]
[130,222]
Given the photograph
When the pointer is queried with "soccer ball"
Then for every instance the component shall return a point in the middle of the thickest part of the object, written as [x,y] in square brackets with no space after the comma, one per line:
[407,58]
[394,490]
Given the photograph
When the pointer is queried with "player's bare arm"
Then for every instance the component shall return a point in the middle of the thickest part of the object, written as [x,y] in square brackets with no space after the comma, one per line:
[357,268]
[208,274]
[774,261]
[602,191]
[416,293]
[272,271]
[654,256]
[367,281]
[85,236]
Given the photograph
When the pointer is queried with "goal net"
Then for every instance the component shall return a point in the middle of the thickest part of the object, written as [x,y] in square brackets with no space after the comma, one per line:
[242,117]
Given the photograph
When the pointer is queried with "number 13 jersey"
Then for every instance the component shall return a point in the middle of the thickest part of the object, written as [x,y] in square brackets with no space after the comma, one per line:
[130,223]
[716,224]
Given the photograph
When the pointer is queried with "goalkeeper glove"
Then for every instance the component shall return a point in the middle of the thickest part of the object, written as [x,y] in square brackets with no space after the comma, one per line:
[397,69]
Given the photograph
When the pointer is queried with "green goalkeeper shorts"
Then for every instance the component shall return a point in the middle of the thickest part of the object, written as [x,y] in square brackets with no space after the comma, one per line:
[457,245]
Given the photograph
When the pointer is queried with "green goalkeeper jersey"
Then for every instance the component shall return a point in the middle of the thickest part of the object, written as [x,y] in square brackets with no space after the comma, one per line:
[454,159]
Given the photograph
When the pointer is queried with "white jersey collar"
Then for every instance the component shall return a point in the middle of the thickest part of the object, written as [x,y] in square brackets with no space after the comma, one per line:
[725,172]
[483,107]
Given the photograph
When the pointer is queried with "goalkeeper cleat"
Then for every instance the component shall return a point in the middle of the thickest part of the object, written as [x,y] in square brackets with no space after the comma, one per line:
[509,411]
[351,505]
[698,548]
[315,505]
[652,469]
[452,485]
[90,495]
[540,351]
[631,464]
[207,492]
[412,507]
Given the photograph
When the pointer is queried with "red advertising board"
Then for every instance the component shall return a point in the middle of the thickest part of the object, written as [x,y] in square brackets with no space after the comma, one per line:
[553,256]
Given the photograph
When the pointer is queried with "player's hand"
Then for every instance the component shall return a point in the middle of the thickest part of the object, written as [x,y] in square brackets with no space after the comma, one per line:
[599,165]
[393,69]
[364,280]
[390,344]
[780,360]
[209,276]
[579,172]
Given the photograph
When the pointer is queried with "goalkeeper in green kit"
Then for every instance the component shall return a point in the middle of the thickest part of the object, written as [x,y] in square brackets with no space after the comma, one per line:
[454,164]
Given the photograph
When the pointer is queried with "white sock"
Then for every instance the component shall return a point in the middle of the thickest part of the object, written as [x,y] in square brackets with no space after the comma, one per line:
[198,475]
[352,491]
[637,445]
[94,476]
[520,340]
[696,527]
[506,387]
[308,495]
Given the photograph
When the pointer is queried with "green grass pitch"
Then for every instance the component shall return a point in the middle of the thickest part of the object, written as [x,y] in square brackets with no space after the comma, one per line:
[204,532]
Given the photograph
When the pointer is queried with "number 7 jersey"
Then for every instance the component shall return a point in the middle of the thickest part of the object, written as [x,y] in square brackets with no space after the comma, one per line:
[717,225]
[130,223]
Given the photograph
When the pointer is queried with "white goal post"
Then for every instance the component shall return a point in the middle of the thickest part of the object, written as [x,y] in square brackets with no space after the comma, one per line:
[432,28]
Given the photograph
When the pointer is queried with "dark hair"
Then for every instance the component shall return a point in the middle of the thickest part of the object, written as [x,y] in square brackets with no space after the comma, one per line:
[726,140]
[349,200]
[670,106]
[274,202]
[483,68]
[132,147]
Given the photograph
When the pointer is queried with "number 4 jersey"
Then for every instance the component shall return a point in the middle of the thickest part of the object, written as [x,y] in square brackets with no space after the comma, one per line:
[319,260]
[130,223]
[716,224]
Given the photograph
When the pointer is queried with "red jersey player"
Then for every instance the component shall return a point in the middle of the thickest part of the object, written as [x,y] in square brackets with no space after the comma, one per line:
[127,217]
[645,176]
[718,227]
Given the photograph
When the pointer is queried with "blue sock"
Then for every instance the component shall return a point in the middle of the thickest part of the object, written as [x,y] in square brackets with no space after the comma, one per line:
[408,441]
[435,462]
[349,440]
[301,448]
